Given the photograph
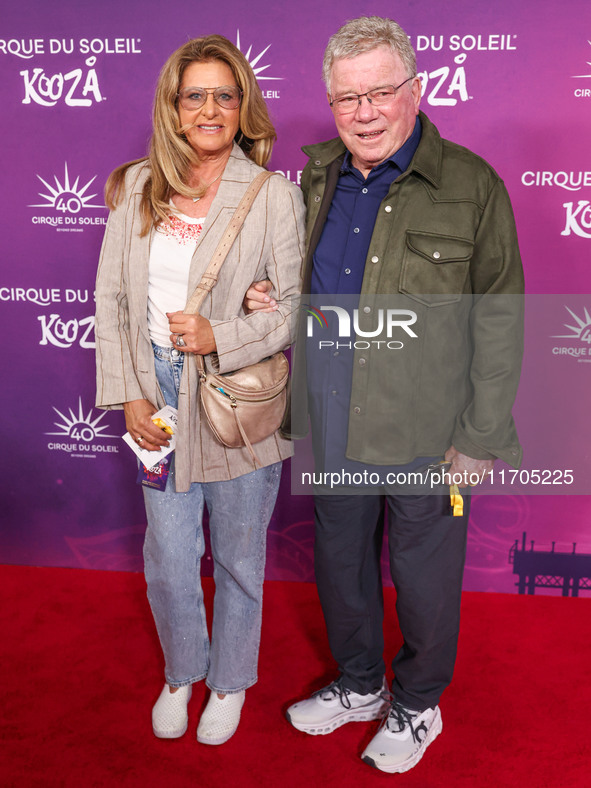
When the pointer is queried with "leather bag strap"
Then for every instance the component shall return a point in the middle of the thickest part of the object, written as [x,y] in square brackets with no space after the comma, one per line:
[210,276]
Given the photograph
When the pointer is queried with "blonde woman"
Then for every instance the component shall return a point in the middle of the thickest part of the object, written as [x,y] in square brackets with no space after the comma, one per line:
[211,137]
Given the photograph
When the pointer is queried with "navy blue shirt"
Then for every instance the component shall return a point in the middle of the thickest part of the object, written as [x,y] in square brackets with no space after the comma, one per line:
[339,259]
[338,268]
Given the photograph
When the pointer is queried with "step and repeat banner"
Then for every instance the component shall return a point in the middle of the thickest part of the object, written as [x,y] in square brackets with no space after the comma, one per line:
[511,81]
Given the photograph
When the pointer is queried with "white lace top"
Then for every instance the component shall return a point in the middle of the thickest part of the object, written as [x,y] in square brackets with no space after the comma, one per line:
[171,250]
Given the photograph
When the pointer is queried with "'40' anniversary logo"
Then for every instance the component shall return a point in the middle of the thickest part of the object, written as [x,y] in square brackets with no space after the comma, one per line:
[77,433]
[67,198]
[580,335]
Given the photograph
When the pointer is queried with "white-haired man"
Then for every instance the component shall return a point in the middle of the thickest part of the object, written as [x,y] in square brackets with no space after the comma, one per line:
[395,209]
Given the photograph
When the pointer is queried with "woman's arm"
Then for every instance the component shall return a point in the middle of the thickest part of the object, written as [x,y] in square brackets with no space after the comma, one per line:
[246,339]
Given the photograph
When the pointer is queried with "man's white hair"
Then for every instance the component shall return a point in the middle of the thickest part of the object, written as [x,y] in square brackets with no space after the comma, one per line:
[364,34]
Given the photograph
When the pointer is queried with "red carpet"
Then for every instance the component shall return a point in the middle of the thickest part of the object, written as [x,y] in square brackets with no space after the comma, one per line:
[81,669]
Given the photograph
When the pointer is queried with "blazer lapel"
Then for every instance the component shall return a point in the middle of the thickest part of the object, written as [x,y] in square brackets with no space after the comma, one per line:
[233,184]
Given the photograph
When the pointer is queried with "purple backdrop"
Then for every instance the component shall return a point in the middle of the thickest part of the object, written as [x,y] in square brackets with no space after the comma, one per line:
[510,81]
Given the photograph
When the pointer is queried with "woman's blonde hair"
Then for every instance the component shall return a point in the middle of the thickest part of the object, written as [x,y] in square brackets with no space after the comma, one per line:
[171,156]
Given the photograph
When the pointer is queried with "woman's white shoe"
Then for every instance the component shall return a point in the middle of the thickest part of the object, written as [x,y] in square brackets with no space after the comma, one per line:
[169,715]
[220,719]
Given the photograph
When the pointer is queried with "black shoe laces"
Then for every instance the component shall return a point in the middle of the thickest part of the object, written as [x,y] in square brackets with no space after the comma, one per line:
[338,690]
[400,717]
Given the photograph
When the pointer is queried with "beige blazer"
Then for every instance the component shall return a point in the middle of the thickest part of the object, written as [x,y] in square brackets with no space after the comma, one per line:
[270,245]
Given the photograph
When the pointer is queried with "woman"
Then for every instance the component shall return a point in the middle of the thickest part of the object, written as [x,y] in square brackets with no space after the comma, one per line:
[211,137]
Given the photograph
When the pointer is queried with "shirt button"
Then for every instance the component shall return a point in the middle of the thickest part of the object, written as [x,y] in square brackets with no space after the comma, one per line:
[364,191]
[388,208]
[317,198]
[375,259]
[357,410]
[347,270]
[361,362]
[367,309]
[437,255]
[334,392]
[336,353]
[356,230]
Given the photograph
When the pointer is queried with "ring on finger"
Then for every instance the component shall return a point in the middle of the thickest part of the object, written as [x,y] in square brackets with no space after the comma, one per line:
[180,341]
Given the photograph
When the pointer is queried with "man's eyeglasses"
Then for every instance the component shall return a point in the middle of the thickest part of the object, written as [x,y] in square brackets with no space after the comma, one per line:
[227,97]
[379,97]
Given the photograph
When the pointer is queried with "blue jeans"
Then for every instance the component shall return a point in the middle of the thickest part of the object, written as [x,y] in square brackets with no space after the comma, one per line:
[239,513]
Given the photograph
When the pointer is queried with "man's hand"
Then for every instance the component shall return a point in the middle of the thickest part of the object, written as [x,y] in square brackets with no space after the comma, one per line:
[468,467]
[196,332]
[257,298]
[138,420]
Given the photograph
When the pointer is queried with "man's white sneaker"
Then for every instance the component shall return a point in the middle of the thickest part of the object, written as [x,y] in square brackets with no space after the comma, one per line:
[220,719]
[335,705]
[403,738]
[169,715]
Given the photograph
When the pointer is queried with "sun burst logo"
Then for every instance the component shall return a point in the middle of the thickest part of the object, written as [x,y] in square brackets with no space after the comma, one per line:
[254,59]
[584,76]
[581,331]
[80,427]
[66,197]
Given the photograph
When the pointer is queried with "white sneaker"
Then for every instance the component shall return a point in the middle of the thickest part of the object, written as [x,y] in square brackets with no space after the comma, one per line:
[335,705]
[220,719]
[403,738]
[169,715]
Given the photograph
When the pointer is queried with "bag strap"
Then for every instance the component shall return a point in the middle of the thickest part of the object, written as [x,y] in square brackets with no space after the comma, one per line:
[210,276]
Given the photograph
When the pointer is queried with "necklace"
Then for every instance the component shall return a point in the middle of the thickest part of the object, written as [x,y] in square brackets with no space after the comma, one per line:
[196,199]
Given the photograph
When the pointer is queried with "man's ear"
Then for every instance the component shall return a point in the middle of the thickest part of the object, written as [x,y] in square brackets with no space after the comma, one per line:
[416,92]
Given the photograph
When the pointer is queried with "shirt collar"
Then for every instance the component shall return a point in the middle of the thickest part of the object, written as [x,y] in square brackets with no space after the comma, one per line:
[401,159]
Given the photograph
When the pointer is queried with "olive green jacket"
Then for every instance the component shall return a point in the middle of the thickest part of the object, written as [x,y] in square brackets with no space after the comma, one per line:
[445,245]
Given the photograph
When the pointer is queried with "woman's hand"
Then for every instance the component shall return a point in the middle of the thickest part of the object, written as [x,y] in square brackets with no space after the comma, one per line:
[196,332]
[138,420]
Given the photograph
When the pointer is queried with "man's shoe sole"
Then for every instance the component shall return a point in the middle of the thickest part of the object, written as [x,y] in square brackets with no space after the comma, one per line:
[398,768]
[357,715]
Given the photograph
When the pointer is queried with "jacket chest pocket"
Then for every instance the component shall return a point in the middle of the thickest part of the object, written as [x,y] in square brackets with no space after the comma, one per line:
[435,267]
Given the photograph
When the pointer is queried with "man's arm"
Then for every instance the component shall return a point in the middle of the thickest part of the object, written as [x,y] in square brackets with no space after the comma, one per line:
[485,429]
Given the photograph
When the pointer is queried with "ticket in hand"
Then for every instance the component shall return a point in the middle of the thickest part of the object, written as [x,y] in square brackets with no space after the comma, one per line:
[166,419]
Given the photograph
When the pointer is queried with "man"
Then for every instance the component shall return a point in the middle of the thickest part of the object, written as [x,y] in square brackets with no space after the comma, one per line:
[394,209]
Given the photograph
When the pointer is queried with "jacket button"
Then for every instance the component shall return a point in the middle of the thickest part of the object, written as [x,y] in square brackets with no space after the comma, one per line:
[375,259]
[357,410]
[318,162]
[361,362]
[367,309]
[317,198]
[388,208]
[437,255]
